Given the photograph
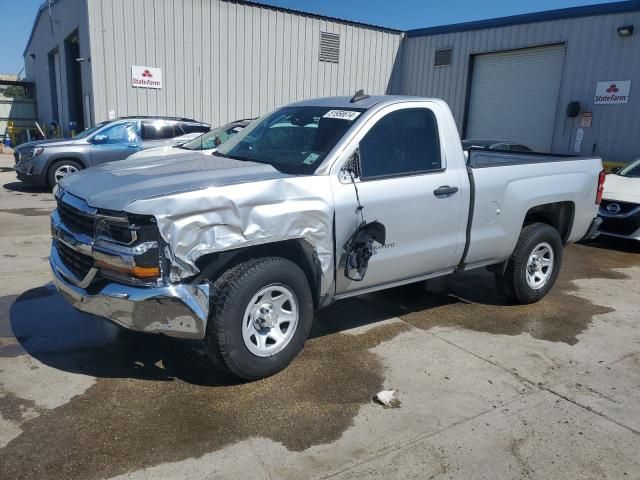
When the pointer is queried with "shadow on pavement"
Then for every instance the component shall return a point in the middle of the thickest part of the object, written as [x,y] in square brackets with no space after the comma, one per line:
[52,331]
[618,244]
[25,188]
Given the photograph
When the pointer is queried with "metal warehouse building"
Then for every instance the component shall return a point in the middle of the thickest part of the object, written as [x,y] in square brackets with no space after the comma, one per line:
[215,60]
[558,81]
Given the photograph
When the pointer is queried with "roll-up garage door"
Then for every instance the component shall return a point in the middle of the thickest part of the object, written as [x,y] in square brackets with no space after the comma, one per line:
[514,96]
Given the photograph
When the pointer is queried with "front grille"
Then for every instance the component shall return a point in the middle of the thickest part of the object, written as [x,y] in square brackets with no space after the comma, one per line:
[76,220]
[16,156]
[77,262]
[620,226]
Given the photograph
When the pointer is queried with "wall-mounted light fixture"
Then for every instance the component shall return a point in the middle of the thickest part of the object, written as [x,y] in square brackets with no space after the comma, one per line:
[625,31]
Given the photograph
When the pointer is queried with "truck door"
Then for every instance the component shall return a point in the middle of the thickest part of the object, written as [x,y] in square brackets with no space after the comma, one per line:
[406,185]
[116,142]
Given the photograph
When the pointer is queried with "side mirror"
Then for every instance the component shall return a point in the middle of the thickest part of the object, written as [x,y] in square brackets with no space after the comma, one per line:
[616,169]
[98,139]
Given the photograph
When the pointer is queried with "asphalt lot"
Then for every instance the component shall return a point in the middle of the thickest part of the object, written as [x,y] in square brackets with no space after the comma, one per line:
[487,390]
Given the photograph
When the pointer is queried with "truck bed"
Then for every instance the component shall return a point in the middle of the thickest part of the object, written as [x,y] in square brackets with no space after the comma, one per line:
[482,158]
[506,185]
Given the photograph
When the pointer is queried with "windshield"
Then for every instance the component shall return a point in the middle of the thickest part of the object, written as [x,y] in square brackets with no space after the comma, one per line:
[214,138]
[90,130]
[632,170]
[292,139]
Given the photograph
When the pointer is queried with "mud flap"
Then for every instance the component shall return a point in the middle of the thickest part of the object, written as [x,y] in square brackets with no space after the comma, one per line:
[359,249]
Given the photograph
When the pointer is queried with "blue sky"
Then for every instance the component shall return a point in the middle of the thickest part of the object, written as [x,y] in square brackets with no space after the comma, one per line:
[16,16]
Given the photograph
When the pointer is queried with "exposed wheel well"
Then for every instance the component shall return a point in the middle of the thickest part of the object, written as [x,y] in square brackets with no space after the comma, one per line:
[559,215]
[298,251]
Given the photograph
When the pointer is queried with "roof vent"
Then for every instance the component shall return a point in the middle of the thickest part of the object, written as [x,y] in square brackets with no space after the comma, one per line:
[442,57]
[329,47]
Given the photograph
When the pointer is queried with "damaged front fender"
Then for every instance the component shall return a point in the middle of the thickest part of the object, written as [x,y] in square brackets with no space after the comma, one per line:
[216,219]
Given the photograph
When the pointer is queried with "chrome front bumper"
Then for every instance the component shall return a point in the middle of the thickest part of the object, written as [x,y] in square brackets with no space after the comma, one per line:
[177,310]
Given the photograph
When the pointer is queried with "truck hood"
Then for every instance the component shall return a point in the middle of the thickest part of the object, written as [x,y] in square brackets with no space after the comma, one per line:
[113,186]
[622,189]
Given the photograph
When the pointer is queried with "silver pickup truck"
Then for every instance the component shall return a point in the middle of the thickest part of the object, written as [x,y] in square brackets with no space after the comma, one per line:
[312,203]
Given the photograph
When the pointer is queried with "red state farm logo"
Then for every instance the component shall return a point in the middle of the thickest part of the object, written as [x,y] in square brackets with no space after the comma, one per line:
[613,88]
[148,74]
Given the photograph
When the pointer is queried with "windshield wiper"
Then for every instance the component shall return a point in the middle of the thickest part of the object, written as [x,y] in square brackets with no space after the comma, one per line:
[233,157]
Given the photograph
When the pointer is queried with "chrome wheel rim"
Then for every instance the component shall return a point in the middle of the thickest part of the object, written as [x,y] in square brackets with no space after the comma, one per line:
[62,171]
[540,266]
[270,320]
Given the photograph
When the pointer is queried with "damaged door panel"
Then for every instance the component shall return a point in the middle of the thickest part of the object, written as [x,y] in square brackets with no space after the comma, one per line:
[360,248]
[393,178]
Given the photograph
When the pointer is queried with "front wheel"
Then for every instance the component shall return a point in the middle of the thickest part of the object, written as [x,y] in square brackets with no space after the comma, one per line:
[261,315]
[61,169]
[533,268]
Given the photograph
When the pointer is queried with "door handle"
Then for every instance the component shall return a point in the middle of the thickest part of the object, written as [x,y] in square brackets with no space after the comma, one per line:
[445,191]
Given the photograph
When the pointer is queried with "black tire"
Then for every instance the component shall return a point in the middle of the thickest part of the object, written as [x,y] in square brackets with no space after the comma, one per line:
[232,293]
[513,282]
[51,173]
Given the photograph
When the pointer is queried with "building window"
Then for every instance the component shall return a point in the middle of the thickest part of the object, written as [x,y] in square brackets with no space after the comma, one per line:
[442,57]
[329,47]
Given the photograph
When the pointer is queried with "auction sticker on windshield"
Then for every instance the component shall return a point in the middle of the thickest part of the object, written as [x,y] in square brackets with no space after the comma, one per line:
[342,114]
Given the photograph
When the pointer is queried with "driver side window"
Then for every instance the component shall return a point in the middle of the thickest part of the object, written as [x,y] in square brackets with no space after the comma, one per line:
[404,142]
[121,133]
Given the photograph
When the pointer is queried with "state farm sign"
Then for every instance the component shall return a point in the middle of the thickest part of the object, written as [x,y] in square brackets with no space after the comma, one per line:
[146,77]
[612,92]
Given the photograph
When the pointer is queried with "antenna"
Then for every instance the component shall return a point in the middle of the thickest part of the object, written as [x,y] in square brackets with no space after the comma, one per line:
[359,96]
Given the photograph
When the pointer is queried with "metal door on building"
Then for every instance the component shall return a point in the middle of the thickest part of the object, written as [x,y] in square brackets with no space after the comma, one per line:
[514,96]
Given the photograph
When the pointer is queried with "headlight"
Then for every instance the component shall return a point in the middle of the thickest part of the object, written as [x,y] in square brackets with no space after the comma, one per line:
[127,246]
[37,151]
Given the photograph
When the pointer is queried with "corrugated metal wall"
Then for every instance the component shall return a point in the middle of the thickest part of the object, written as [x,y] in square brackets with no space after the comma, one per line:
[595,52]
[223,60]
[49,34]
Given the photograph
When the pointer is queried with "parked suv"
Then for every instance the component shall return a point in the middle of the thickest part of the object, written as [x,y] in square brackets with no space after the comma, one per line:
[45,162]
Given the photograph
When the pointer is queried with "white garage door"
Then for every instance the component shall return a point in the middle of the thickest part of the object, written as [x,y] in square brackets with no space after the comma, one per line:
[514,96]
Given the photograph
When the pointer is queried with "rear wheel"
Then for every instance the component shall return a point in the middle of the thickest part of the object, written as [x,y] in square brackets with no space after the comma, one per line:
[60,169]
[533,268]
[261,315]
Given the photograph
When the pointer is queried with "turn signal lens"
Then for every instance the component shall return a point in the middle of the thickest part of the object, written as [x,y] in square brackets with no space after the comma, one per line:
[145,272]
[138,272]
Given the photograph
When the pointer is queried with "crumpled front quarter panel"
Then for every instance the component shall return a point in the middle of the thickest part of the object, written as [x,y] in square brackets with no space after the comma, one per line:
[226,217]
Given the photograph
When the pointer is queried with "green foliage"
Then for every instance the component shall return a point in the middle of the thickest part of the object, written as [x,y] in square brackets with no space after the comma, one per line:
[14,91]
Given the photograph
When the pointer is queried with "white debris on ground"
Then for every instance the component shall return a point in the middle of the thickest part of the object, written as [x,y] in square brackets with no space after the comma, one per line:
[387,399]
